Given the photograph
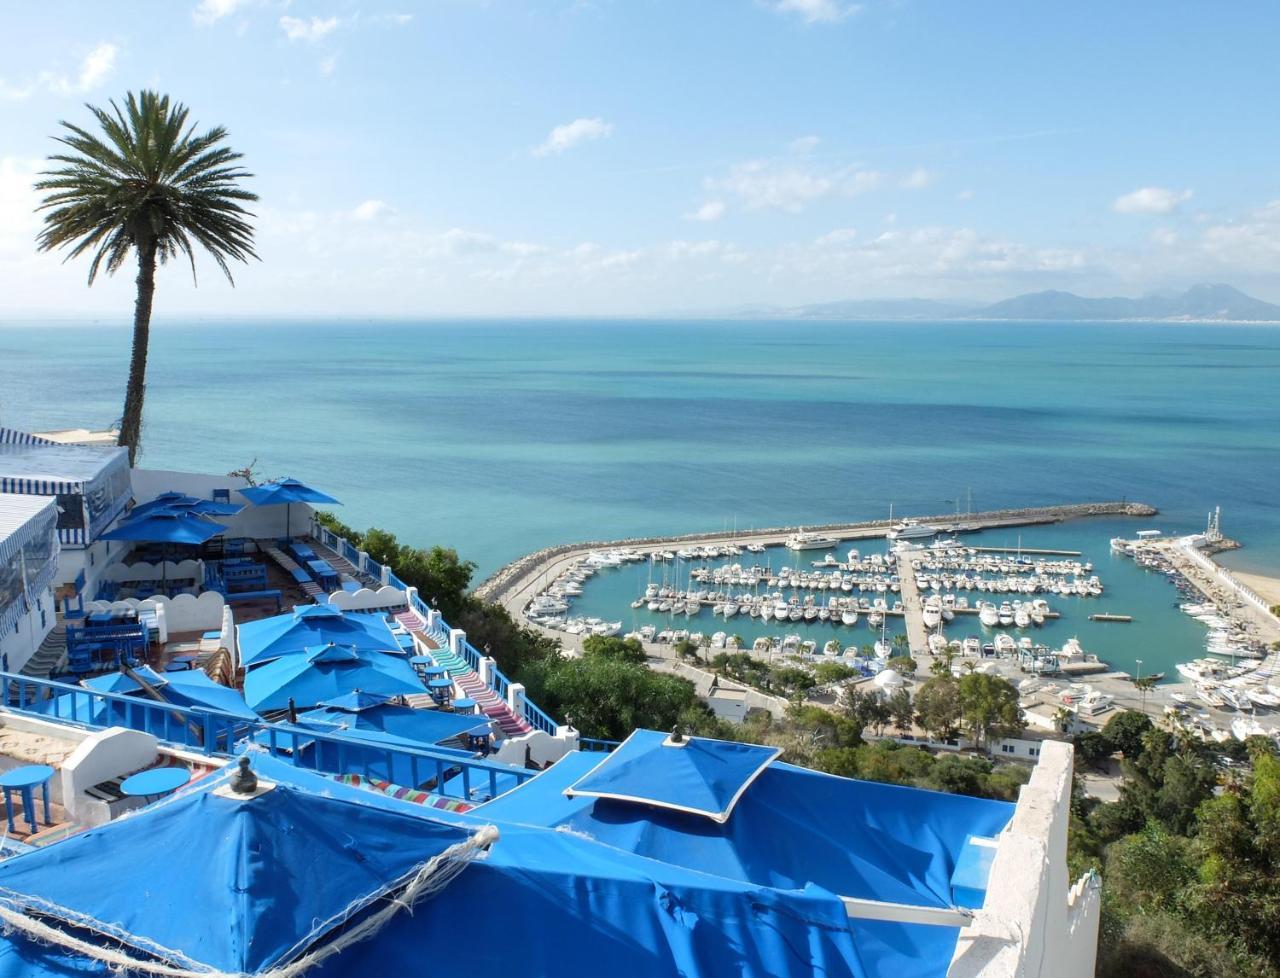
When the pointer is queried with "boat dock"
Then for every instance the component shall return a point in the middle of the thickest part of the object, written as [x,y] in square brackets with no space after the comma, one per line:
[917,634]
[1032,551]
[1106,617]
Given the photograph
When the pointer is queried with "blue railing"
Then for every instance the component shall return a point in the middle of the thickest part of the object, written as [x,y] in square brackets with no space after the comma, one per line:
[213,732]
[598,746]
[533,716]
[351,553]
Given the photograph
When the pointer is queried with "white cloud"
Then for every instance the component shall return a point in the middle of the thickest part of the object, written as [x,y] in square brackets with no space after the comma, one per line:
[371,210]
[299,29]
[917,179]
[804,145]
[327,65]
[837,237]
[209,12]
[816,11]
[96,67]
[1150,200]
[712,210]
[399,20]
[762,184]
[571,134]
[1165,236]
[965,195]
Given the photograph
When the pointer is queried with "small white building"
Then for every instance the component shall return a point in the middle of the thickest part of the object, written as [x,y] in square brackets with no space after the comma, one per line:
[90,486]
[28,569]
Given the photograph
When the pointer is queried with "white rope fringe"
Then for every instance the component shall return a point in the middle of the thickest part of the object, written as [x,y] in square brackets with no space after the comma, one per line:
[426,881]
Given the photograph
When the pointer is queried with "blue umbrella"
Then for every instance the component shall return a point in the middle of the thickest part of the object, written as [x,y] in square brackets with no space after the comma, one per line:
[309,626]
[284,492]
[166,526]
[181,501]
[325,672]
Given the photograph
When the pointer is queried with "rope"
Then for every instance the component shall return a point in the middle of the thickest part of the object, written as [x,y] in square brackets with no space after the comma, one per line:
[426,881]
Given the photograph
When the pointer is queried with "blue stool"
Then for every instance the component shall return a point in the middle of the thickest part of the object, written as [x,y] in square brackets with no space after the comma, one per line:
[24,780]
[464,705]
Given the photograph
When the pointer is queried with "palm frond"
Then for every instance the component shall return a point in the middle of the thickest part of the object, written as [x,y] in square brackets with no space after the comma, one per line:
[146,178]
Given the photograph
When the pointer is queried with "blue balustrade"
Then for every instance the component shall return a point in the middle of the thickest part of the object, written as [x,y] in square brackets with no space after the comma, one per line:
[592,744]
[537,719]
[395,582]
[212,732]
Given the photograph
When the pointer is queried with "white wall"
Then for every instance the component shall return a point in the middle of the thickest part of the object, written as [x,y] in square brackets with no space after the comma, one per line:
[101,756]
[142,571]
[20,641]
[253,521]
[367,599]
[1034,923]
[185,613]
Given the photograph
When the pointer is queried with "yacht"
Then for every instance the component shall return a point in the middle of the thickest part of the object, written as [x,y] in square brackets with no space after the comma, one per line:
[971,646]
[1021,618]
[932,615]
[1201,670]
[755,548]
[911,529]
[810,541]
[988,615]
[849,617]
[1093,703]
[1005,645]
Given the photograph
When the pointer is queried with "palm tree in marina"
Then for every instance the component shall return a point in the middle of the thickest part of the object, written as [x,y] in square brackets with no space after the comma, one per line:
[148,185]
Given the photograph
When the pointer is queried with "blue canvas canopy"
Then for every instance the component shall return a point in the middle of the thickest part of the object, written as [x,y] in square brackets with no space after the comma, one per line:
[189,689]
[390,724]
[285,492]
[693,774]
[308,626]
[324,672]
[181,501]
[244,883]
[166,526]
[271,869]
[792,826]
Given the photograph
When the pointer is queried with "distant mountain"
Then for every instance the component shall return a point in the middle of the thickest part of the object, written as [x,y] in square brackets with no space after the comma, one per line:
[1200,302]
[874,309]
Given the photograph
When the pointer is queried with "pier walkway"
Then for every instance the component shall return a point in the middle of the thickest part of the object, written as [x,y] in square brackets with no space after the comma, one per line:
[913,606]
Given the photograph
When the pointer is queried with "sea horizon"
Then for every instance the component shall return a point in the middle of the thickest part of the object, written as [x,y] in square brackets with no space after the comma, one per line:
[501,436]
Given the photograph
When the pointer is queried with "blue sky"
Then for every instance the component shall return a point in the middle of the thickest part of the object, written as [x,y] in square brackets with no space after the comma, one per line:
[634,156]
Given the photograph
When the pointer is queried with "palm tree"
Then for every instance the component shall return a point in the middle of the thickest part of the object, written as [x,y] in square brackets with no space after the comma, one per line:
[150,185]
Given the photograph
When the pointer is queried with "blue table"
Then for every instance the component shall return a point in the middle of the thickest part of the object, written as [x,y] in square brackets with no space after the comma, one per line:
[155,781]
[324,572]
[405,640]
[24,779]
[435,672]
[465,705]
[421,663]
[441,690]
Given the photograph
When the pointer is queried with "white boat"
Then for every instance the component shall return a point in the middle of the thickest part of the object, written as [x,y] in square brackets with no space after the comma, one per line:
[1021,618]
[1094,702]
[971,646]
[1005,645]
[849,617]
[1262,697]
[810,541]
[932,615]
[910,530]
[1210,697]
[755,548]
[988,615]
[875,618]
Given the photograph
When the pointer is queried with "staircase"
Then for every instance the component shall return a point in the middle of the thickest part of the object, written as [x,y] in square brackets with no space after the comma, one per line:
[49,656]
[490,703]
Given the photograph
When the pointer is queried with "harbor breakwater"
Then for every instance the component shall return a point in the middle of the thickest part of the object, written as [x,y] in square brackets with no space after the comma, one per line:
[514,575]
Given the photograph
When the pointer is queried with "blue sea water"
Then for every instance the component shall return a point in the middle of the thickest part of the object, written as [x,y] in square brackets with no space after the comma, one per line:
[501,437]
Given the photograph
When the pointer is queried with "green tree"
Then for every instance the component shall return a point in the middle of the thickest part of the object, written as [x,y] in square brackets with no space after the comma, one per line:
[1125,731]
[938,706]
[903,665]
[609,698]
[148,185]
[611,647]
[989,707]
[833,672]
[902,711]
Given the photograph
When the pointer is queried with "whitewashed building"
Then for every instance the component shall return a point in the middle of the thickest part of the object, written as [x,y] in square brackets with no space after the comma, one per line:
[28,570]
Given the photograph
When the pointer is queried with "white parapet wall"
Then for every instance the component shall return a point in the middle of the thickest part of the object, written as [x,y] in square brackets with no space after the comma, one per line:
[185,613]
[367,599]
[1034,923]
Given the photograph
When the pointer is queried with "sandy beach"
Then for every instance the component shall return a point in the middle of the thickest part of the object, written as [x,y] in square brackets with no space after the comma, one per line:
[1267,587]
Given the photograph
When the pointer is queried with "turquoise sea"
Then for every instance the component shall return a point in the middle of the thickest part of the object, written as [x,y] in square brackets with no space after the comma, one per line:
[499,437]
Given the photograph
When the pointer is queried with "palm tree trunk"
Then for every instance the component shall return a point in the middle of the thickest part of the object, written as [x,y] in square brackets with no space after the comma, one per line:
[135,392]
